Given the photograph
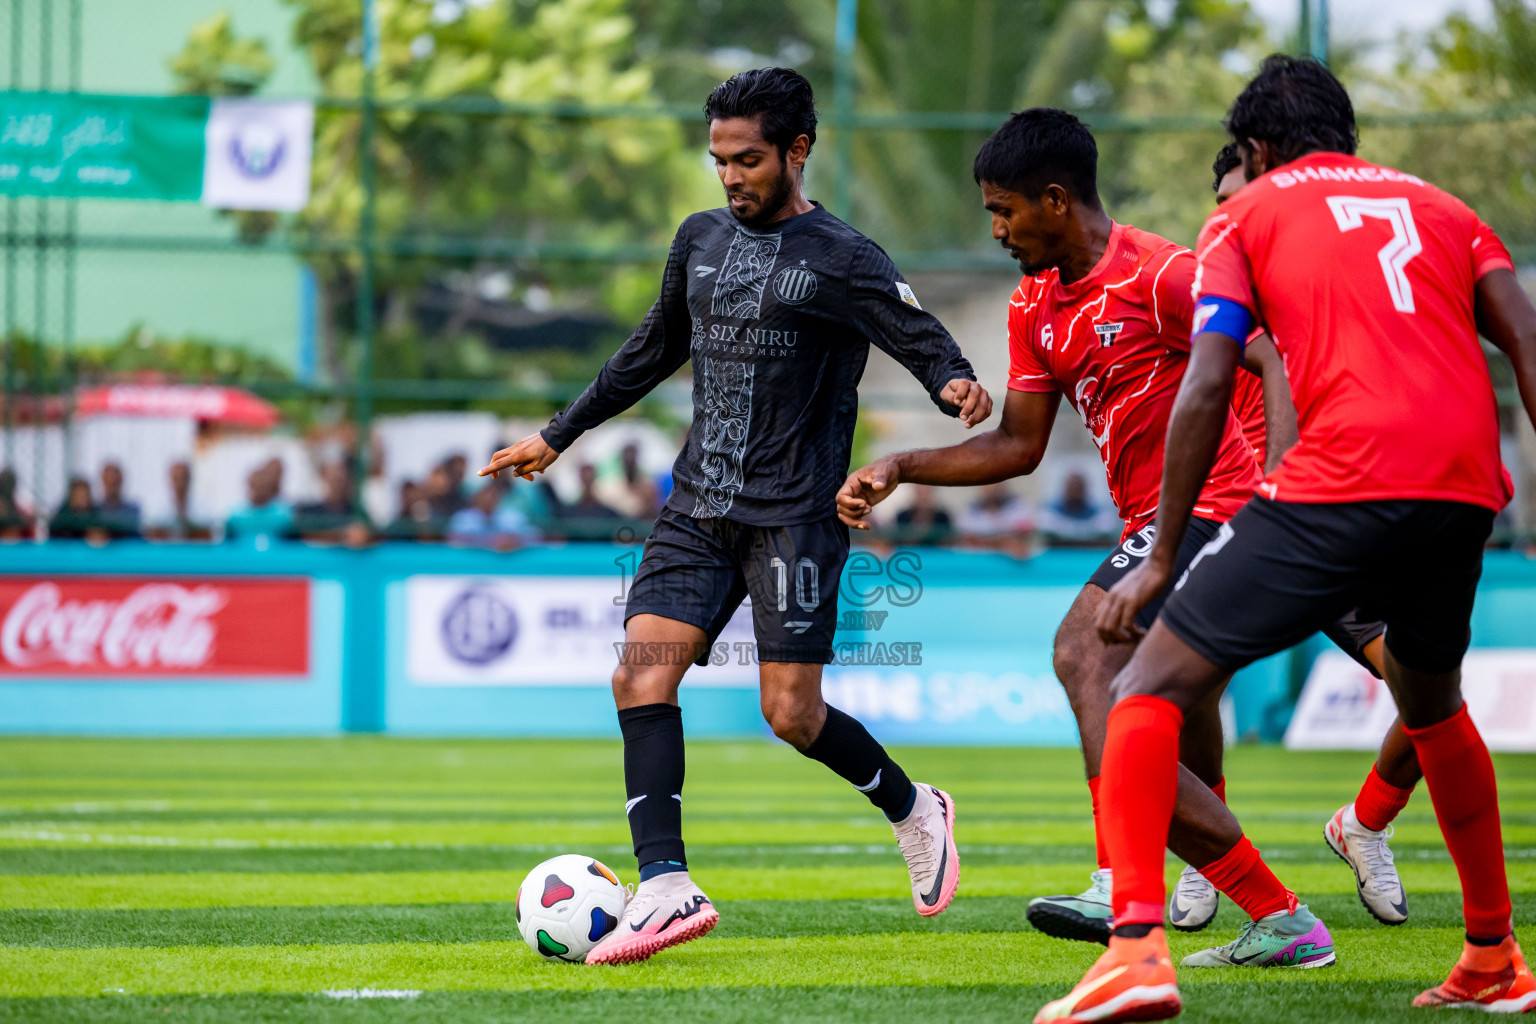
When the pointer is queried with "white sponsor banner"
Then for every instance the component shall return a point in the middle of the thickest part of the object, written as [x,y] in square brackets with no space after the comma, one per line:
[1344,707]
[541,631]
[257,154]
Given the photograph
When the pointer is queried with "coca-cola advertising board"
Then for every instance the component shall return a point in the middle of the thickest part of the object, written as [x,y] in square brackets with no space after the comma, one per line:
[104,627]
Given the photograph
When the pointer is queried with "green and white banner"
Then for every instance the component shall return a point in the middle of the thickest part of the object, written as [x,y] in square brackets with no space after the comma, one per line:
[239,154]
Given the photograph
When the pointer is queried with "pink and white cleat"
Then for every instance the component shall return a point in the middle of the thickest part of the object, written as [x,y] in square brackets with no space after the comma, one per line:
[927,841]
[665,911]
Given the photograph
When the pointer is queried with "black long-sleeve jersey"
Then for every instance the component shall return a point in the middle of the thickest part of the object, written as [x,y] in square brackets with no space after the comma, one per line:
[778,323]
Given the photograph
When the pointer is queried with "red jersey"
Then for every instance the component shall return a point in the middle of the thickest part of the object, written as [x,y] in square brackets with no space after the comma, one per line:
[1248,406]
[1365,276]
[1116,344]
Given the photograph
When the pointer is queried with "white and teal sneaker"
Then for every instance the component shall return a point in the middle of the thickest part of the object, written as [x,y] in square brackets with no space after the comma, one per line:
[1085,917]
[1286,938]
[1193,902]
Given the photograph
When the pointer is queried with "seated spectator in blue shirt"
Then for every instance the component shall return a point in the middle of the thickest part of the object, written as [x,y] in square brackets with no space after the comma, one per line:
[266,515]
[485,523]
[119,518]
[1075,519]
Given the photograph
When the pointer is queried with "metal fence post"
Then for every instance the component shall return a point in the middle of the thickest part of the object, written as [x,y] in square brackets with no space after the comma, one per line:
[842,106]
[362,678]
[1318,43]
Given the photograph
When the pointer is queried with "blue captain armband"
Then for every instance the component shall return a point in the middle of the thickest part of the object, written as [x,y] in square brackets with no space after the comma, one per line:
[1215,315]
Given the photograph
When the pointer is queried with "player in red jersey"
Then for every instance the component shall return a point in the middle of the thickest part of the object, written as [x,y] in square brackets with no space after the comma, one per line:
[1385,503]
[1358,832]
[1102,317]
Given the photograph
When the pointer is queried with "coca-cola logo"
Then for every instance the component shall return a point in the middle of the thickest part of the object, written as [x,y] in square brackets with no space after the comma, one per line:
[156,625]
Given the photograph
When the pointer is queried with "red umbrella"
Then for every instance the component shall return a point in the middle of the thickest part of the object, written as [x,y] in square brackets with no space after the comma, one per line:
[235,406]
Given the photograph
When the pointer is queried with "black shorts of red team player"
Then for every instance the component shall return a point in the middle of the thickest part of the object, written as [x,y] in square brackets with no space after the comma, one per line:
[1281,571]
[1134,550]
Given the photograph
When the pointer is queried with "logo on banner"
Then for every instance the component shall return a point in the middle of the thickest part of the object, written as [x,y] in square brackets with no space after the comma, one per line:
[114,627]
[479,627]
[256,148]
[257,154]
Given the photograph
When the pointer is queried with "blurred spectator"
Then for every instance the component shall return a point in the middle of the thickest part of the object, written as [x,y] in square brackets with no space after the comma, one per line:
[997,519]
[184,523]
[485,523]
[587,518]
[924,521]
[456,466]
[632,494]
[14,522]
[266,514]
[76,518]
[325,519]
[119,518]
[445,492]
[415,520]
[377,500]
[1074,519]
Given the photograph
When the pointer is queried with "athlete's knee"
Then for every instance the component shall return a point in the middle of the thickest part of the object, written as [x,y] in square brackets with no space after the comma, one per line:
[634,685]
[794,719]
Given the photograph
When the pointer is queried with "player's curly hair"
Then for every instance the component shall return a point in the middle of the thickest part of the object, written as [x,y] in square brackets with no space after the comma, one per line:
[1037,148]
[1227,161]
[780,96]
[1297,106]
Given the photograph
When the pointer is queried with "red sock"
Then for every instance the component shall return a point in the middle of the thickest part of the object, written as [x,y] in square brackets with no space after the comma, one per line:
[1140,783]
[1461,783]
[1098,827]
[1379,802]
[1242,874]
[1220,789]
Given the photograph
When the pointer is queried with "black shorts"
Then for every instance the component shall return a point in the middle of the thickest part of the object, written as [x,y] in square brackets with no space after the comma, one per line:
[1134,550]
[1351,633]
[698,571]
[1281,571]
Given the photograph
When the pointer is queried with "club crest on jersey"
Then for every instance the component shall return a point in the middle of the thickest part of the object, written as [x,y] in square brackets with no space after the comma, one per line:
[795,285]
[1108,333]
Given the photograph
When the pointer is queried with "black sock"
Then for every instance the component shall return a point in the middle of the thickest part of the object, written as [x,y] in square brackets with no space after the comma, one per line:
[653,781]
[847,748]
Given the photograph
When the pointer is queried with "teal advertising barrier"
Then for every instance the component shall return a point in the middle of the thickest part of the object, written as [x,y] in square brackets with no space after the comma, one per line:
[934,646]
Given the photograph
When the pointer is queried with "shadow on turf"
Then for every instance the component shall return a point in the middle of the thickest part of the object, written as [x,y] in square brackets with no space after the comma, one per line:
[1244,1002]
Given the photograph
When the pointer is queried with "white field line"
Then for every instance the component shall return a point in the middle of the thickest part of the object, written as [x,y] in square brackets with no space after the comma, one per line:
[372,993]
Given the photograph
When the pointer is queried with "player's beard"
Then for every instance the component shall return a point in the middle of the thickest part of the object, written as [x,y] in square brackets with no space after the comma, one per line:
[771,205]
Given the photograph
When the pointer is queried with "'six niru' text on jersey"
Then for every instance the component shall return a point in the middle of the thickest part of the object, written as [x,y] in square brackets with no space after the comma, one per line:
[1116,344]
[1393,398]
[778,321]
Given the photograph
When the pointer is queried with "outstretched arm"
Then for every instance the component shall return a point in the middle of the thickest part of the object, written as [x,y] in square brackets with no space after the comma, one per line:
[1261,357]
[1013,449]
[1194,437]
[1506,317]
[653,353]
[887,313]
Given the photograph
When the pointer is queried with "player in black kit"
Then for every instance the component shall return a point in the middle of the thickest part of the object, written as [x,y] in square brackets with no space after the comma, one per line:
[776,301]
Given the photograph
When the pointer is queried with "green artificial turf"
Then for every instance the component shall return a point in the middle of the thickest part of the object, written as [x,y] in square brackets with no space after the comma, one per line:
[244,880]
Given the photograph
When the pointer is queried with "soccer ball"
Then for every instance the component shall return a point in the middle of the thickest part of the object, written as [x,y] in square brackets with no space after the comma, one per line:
[567,904]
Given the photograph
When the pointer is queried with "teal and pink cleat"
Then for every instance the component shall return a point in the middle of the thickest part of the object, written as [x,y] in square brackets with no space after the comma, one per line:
[665,911]
[1286,938]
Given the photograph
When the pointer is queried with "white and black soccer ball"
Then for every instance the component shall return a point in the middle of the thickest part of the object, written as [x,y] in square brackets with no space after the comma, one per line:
[567,905]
